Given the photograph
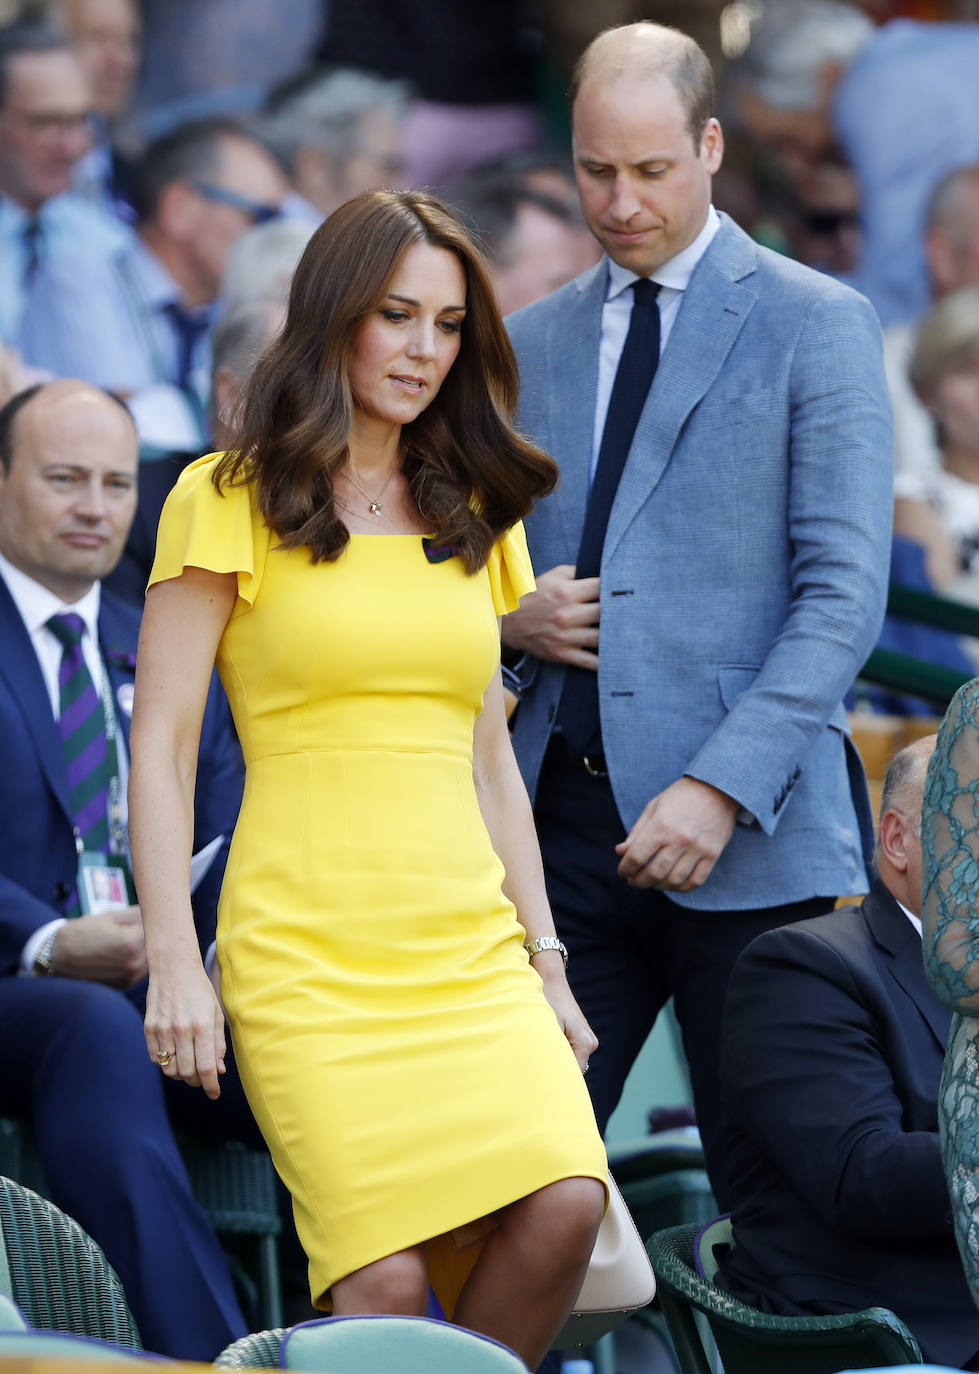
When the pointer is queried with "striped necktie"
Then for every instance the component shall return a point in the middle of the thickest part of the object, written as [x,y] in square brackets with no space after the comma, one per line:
[82,729]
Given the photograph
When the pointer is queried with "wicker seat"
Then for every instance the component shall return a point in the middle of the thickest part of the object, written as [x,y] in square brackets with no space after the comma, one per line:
[236,1188]
[56,1274]
[753,1342]
[258,1351]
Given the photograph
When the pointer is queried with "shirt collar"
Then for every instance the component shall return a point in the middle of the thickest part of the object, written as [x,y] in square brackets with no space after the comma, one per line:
[915,920]
[677,271]
[37,605]
[154,282]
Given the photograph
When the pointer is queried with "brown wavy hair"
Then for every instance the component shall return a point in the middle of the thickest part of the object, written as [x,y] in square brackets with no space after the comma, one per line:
[471,474]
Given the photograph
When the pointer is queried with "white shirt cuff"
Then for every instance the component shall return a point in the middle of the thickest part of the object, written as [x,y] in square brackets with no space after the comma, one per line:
[29,953]
[210,956]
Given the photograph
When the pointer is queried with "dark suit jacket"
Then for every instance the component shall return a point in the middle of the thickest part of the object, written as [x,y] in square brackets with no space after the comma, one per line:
[832,1055]
[37,851]
[156,478]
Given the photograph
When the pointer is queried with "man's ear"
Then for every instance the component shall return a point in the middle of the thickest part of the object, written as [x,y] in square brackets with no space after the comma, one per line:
[891,838]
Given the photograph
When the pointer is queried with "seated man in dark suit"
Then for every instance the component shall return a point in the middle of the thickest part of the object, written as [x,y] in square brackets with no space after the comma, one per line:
[72,1053]
[832,1055]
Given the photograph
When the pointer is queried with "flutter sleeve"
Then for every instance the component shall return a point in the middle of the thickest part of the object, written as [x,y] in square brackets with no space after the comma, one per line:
[510,572]
[201,527]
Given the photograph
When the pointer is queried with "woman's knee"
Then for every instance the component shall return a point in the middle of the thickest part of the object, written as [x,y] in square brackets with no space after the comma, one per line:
[570,1213]
[396,1284]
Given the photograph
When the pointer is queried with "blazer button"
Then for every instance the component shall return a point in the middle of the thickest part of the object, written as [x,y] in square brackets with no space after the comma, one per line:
[62,890]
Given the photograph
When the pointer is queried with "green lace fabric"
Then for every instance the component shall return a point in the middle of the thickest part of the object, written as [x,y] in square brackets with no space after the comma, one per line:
[950,929]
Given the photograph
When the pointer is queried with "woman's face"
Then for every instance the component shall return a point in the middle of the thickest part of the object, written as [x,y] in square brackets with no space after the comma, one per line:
[956,407]
[407,345]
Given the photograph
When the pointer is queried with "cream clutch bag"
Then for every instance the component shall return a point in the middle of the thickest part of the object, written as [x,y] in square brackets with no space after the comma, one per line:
[619,1280]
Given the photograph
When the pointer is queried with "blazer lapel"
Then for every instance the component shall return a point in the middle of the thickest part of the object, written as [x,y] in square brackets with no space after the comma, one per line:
[712,314]
[19,666]
[893,932]
[573,347]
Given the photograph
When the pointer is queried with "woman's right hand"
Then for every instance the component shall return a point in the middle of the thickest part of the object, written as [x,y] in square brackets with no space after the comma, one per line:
[184,1019]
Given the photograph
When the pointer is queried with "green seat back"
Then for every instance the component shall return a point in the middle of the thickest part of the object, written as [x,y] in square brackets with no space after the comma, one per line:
[378,1345]
[39,1344]
[10,1317]
[753,1342]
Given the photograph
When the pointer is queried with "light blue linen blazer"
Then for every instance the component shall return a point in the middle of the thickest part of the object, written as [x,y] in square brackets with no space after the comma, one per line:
[745,567]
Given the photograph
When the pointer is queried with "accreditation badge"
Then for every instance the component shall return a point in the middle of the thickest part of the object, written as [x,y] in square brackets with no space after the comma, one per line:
[104,882]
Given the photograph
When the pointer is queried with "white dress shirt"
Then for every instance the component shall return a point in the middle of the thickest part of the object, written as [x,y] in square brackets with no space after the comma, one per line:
[915,920]
[36,606]
[673,278]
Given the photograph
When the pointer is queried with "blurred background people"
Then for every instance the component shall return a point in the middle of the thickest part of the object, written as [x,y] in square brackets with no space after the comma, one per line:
[337,133]
[940,510]
[107,35]
[138,322]
[262,260]
[45,107]
[221,57]
[906,113]
[241,335]
[951,248]
[535,242]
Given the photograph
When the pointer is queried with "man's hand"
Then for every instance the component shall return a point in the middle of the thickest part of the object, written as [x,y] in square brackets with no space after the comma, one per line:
[107,948]
[679,837]
[558,621]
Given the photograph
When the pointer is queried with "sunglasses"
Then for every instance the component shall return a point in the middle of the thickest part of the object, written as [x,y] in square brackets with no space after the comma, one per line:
[831,221]
[258,211]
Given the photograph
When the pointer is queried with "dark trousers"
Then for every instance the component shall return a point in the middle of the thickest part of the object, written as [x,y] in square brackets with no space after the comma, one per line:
[73,1060]
[630,949]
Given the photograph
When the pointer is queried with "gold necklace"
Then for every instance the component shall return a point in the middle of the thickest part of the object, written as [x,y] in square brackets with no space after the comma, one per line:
[373,503]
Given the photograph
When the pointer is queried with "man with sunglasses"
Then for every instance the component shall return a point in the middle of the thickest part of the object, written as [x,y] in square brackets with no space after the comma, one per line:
[139,322]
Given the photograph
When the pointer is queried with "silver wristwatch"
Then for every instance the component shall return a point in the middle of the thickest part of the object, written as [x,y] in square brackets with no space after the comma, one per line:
[42,966]
[546,942]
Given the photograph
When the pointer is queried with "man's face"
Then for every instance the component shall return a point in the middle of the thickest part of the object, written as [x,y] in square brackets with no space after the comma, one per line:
[327,182]
[644,184]
[43,126]
[251,176]
[68,501]
[107,36]
[541,253]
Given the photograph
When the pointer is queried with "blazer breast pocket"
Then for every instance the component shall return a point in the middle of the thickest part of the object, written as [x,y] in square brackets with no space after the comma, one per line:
[739,408]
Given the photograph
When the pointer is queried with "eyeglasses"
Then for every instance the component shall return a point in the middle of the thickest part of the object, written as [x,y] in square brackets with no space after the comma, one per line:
[828,222]
[258,211]
[45,125]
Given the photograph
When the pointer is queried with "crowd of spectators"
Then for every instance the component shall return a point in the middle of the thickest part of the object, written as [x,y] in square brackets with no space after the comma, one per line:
[163,164]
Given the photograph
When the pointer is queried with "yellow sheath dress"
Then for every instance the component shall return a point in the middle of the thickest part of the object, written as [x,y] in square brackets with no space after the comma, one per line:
[393,1039]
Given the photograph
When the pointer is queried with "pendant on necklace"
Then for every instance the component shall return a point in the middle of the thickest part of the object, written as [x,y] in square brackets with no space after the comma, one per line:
[375,508]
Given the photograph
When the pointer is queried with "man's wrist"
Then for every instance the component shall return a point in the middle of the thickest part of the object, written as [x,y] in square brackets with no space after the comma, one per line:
[43,965]
[39,938]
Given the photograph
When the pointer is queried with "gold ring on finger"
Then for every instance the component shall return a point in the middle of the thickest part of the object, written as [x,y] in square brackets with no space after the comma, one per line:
[164,1057]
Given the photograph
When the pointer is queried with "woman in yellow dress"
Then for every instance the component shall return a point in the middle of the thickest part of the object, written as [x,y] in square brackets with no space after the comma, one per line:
[395,991]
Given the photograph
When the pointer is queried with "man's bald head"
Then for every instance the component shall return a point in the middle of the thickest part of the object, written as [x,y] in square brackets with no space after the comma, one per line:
[638,52]
[899,834]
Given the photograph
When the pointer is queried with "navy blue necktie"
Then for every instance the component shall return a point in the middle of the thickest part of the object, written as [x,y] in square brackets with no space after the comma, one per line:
[189,329]
[578,716]
[32,236]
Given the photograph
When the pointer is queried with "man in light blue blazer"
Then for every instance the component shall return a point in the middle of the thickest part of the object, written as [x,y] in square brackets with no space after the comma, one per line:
[712,572]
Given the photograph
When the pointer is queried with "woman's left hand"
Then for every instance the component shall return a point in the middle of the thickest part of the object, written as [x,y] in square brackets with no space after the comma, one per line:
[581,1037]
